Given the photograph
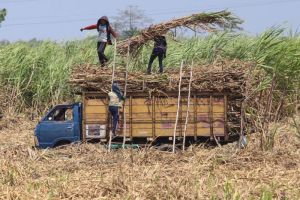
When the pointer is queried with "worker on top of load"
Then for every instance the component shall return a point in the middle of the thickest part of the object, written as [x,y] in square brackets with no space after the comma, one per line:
[116,99]
[159,50]
[105,31]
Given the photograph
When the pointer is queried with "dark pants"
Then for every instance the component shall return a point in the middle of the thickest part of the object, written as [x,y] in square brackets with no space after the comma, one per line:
[156,53]
[114,111]
[100,49]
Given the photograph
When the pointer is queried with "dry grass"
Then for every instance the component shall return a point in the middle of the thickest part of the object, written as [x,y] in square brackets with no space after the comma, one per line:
[89,172]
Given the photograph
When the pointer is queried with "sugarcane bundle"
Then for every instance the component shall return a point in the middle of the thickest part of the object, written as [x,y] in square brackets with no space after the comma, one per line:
[201,21]
[223,76]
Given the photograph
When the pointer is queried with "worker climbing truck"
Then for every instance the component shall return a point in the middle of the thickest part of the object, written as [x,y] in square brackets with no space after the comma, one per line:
[148,114]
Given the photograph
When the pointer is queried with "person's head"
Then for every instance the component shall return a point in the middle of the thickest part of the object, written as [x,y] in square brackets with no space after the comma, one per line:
[115,84]
[102,22]
[115,88]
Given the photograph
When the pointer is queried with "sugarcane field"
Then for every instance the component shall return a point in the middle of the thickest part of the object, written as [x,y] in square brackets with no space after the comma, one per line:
[149,100]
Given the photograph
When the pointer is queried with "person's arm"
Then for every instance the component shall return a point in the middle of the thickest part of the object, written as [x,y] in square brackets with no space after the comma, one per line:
[91,27]
[166,45]
[165,41]
[112,31]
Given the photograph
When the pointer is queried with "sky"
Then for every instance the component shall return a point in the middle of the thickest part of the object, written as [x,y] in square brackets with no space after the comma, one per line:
[61,20]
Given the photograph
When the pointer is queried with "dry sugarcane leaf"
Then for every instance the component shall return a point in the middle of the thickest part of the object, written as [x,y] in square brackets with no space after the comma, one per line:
[202,21]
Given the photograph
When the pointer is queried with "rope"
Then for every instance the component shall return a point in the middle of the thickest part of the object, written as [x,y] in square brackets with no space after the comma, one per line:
[188,107]
[178,107]
[112,81]
[125,92]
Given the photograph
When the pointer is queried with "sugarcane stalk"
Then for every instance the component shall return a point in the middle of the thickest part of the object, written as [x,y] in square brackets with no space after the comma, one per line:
[188,107]
[178,106]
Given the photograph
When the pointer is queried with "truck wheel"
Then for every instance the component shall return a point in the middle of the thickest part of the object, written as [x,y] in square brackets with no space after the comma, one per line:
[166,147]
[62,143]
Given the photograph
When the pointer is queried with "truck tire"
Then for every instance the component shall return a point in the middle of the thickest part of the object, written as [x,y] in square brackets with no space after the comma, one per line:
[62,143]
[166,147]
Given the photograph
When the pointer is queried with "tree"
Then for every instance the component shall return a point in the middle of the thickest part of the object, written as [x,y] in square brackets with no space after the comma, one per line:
[2,15]
[130,21]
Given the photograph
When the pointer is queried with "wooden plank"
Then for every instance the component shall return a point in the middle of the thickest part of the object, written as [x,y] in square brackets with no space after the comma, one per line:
[195,117]
[201,131]
[141,109]
[180,120]
[140,117]
[155,119]
[219,132]
[108,121]
[225,118]
[202,101]
[211,118]
[101,109]
[131,119]
[83,120]
[218,115]
[190,130]
[96,102]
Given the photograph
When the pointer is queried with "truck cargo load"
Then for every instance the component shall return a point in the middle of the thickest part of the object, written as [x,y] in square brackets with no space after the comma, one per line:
[151,105]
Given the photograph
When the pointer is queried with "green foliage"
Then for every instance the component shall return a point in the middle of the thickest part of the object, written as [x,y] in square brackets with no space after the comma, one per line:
[3,13]
[38,71]
[130,33]
[266,195]
[230,193]
[279,54]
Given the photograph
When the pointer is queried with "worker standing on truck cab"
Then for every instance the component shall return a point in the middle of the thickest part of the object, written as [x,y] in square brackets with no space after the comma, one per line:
[160,51]
[104,37]
[116,99]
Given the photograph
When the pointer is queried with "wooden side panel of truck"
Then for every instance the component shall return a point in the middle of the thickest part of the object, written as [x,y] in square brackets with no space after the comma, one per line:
[155,117]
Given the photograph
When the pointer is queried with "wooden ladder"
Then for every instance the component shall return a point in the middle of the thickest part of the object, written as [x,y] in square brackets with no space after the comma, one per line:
[178,107]
[125,93]
[188,107]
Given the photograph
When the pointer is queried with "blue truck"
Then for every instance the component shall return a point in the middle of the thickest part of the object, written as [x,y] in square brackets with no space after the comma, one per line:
[141,118]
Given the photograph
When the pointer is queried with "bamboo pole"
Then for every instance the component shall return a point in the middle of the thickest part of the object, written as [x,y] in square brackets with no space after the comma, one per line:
[125,92]
[188,107]
[178,106]
[112,81]
[241,125]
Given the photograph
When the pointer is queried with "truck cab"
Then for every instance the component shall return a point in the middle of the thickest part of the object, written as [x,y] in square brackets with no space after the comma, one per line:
[61,125]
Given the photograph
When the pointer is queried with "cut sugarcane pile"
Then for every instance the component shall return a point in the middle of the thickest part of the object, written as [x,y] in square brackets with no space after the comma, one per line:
[218,77]
[201,21]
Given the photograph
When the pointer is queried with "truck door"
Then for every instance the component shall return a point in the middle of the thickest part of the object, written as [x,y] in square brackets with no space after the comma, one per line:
[57,127]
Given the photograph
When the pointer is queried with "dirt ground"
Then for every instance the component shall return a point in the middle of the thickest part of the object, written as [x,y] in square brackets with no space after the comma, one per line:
[88,171]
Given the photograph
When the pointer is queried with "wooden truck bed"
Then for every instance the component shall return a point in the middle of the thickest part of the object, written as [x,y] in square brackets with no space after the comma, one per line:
[155,117]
